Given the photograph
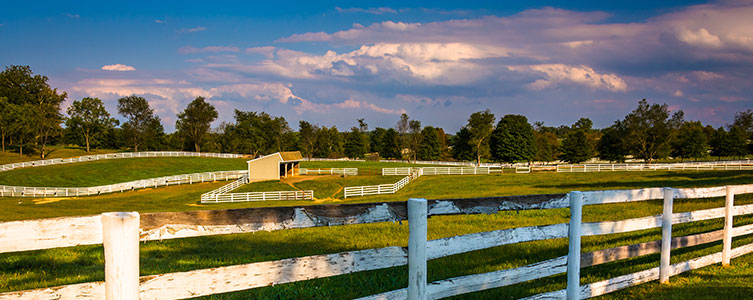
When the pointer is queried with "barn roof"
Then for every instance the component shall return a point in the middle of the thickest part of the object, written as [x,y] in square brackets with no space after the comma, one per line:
[285,156]
[291,155]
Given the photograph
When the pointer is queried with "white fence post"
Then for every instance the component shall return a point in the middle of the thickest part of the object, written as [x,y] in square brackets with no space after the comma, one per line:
[666,235]
[417,224]
[573,255]
[729,203]
[120,238]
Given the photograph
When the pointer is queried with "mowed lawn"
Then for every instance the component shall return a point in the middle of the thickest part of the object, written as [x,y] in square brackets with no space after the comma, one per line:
[34,269]
[110,171]
[186,197]
[9,157]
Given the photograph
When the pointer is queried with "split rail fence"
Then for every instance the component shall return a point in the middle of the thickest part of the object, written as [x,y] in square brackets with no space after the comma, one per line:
[25,191]
[330,171]
[120,233]
[391,188]
[58,161]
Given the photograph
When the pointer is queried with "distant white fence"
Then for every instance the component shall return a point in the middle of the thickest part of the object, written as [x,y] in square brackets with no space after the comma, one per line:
[24,191]
[442,170]
[367,190]
[222,195]
[120,234]
[330,171]
[57,161]
[700,166]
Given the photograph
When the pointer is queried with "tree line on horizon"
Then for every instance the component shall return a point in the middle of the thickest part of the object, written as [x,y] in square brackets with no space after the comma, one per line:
[31,119]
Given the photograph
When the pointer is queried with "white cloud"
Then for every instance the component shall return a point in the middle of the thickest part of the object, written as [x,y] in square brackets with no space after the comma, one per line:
[118,67]
[678,93]
[701,37]
[582,75]
[267,51]
[73,16]
[194,29]
[158,21]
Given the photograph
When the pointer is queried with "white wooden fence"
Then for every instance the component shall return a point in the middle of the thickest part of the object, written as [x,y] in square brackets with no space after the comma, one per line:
[258,196]
[367,190]
[25,191]
[442,170]
[120,234]
[57,161]
[701,166]
[330,171]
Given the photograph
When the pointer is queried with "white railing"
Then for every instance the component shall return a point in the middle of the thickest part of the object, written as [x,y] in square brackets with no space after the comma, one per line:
[25,191]
[573,262]
[367,190]
[258,196]
[695,166]
[120,233]
[442,170]
[331,159]
[225,188]
[57,161]
[330,171]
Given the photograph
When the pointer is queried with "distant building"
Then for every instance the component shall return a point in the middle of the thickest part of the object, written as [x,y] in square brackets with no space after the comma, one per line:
[274,166]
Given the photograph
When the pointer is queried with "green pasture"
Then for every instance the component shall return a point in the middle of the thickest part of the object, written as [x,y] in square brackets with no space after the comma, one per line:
[35,269]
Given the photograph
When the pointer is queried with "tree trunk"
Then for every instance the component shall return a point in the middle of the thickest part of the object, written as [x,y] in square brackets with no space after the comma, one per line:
[87,143]
[21,151]
[3,142]
[196,146]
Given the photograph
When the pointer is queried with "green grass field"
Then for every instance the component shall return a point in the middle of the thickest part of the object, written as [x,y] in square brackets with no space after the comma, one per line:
[34,269]
[9,157]
[53,267]
[112,171]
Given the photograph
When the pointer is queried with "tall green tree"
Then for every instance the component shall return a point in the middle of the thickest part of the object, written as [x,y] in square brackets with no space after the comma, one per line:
[744,120]
[649,130]
[547,146]
[142,125]
[389,146]
[576,148]
[429,148]
[89,119]
[480,126]
[355,146]
[414,138]
[513,140]
[195,121]
[610,146]
[307,137]
[691,141]
[7,116]
[462,149]
[738,142]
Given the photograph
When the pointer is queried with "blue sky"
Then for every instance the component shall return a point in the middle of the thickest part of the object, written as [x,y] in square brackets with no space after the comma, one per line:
[333,62]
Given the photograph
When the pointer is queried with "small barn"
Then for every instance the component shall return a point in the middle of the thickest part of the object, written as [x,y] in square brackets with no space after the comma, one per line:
[274,166]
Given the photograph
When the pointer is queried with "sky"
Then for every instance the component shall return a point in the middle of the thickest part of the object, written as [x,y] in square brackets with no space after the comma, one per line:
[331,62]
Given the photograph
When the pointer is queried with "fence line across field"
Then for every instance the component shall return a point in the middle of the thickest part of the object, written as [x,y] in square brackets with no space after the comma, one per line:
[367,190]
[22,191]
[655,167]
[330,171]
[22,234]
[57,161]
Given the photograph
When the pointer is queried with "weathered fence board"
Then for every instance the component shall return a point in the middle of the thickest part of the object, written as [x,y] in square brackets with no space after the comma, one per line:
[50,233]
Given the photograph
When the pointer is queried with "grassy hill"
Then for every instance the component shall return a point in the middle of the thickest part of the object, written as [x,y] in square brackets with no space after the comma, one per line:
[9,157]
[111,171]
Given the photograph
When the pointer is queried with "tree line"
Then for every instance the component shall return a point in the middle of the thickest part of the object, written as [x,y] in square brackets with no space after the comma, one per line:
[31,119]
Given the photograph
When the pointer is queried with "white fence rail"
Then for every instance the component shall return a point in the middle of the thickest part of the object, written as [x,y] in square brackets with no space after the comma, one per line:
[64,232]
[258,196]
[24,191]
[330,171]
[57,161]
[367,190]
[701,166]
[442,170]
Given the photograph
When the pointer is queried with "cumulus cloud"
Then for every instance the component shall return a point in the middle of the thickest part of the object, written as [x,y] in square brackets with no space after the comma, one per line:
[583,75]
[118,67]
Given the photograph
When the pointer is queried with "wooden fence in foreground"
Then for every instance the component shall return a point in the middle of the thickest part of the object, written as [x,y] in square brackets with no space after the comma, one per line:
[85,158]
[120,234]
